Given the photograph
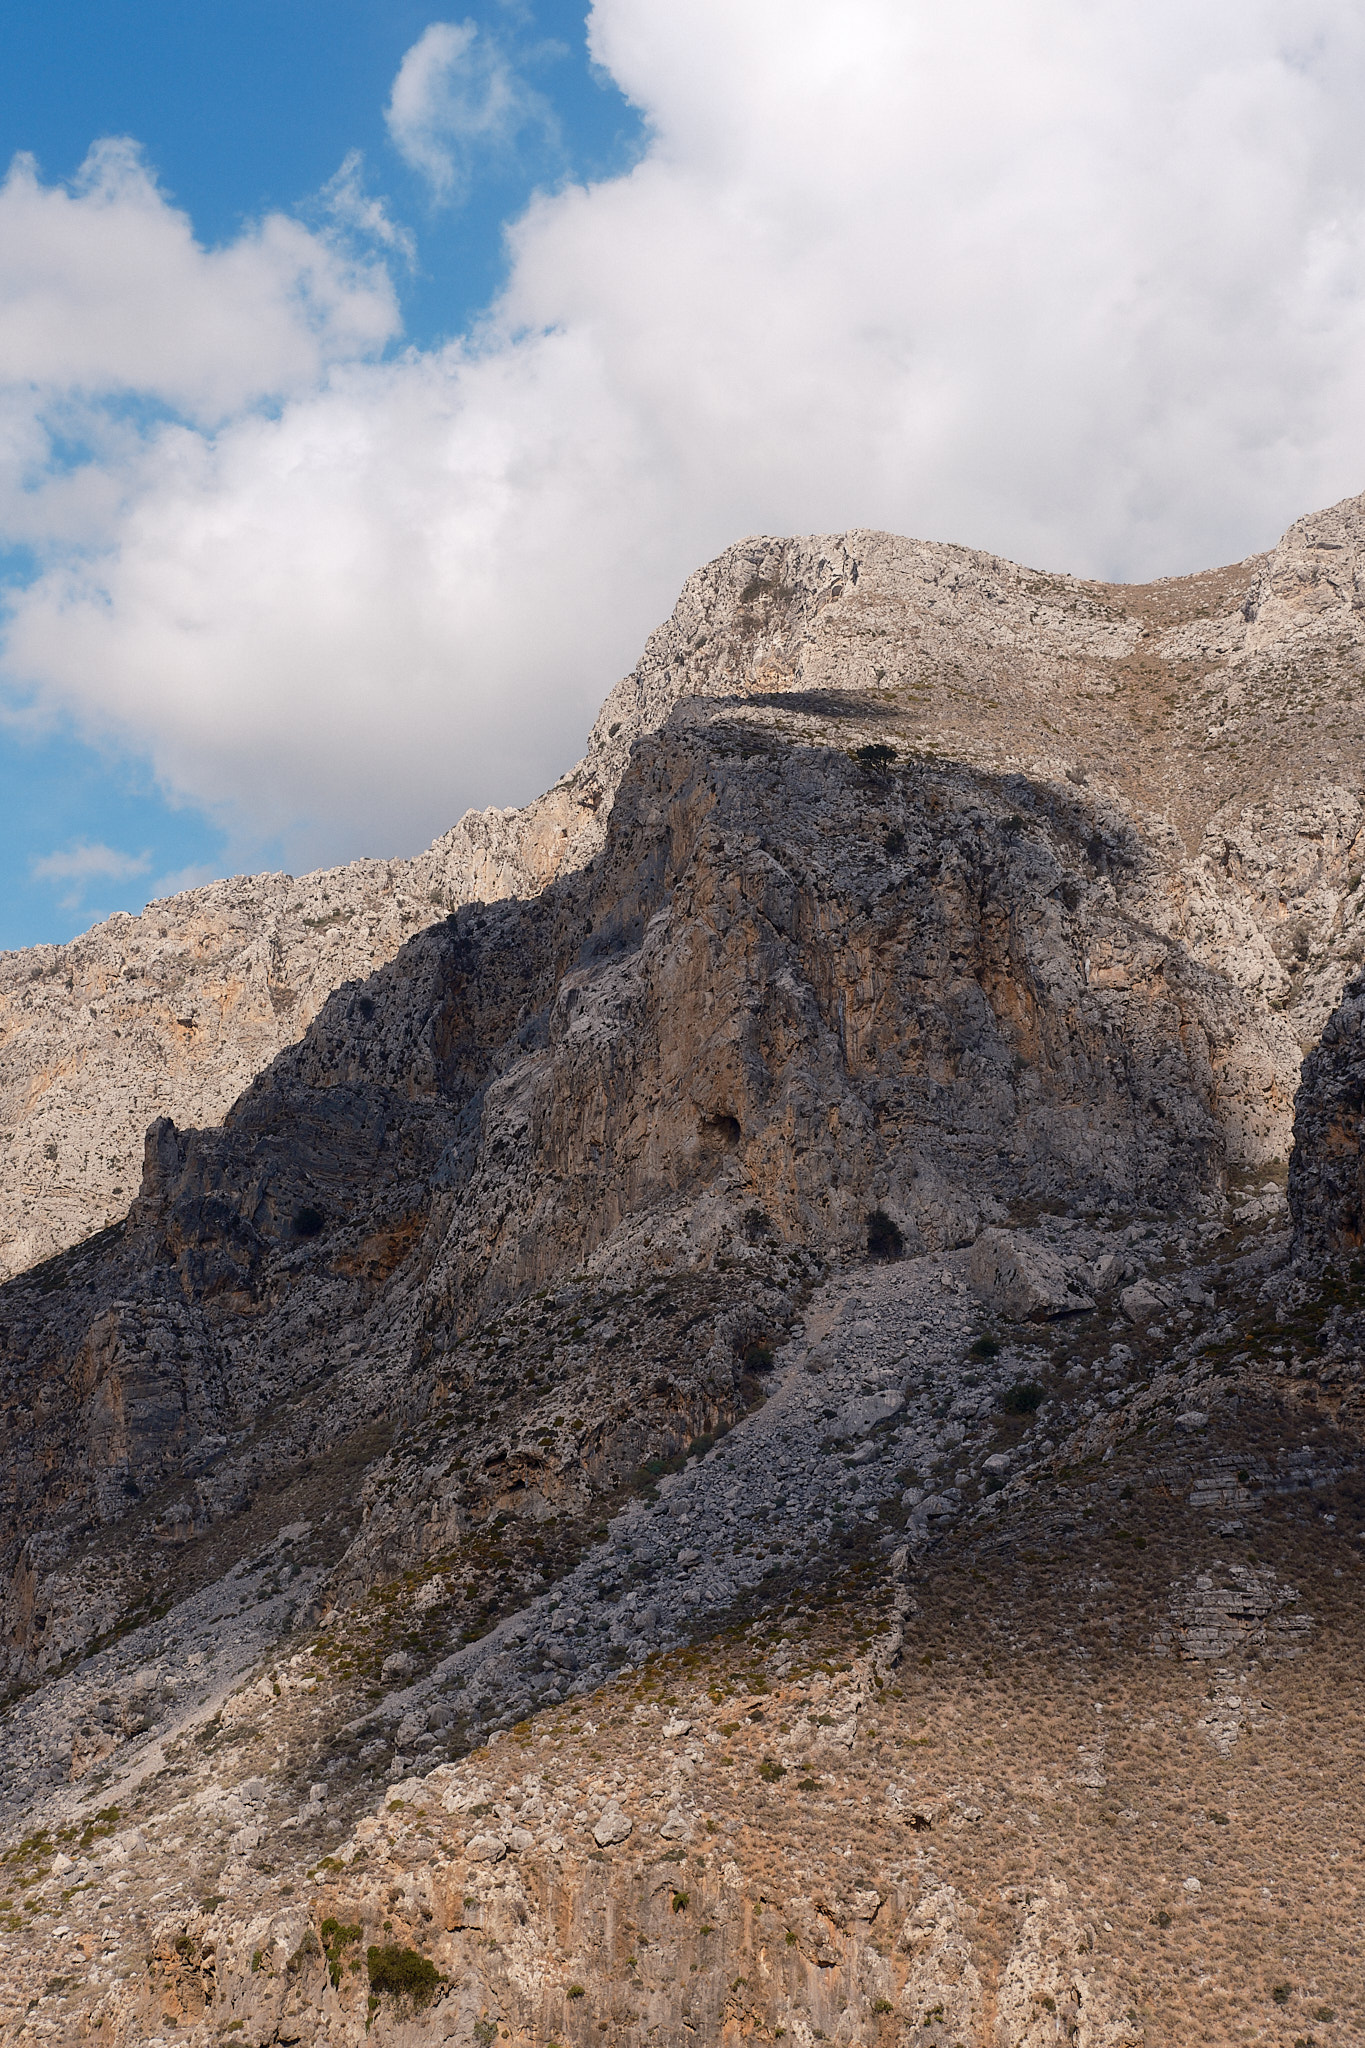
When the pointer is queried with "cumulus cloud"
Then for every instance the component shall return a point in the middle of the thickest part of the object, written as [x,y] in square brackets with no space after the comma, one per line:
[104,290]
[1083,285]
[457,98]
[78,865]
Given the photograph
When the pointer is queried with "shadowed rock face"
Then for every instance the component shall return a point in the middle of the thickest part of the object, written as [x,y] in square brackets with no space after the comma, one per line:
[1327,1166]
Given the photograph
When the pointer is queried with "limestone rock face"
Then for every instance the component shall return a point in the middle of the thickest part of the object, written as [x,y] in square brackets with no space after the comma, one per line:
[1327,1167]
[174,1012]
[793,987]
[1312,588]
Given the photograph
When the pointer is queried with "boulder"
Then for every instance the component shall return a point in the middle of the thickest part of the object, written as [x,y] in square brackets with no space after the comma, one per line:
[614,1826]
[936,1506]
[865,1414]
[486,1849]
[1143,1300]
[1025,1282]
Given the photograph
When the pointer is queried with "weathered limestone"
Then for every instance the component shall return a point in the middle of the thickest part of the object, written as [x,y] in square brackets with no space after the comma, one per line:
[1021,1280]
[587,1299]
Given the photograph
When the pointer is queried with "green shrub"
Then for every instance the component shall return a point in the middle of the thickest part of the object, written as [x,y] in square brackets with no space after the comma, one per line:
[680,1901]
[336,1937]
[1022,1398]
[877,755]
[884,1239]
[402,1973]
[985,1347]
[770,1771]
[309,1947]
[576,1991]
[1280,1994]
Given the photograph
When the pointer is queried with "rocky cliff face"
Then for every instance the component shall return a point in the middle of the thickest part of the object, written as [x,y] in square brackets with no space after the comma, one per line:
[776,1280]
[796,986]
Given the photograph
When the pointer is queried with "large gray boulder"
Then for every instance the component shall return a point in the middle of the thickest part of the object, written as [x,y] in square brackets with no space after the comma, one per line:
[1025,1282]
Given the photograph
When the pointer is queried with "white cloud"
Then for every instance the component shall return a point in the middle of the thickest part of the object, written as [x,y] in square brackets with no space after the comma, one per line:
[104,291]
[1085,285]
[456,97]
[82,863]
[358,213]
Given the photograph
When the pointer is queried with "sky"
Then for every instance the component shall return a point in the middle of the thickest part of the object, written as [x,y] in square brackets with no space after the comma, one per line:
[371,378]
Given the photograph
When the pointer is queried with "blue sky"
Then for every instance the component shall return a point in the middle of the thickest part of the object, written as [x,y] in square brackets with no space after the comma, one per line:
[248,106]
[372,376]
[243,109]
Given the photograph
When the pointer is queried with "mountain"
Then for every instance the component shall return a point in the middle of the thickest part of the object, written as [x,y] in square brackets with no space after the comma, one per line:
[755,1371]
[1218,712]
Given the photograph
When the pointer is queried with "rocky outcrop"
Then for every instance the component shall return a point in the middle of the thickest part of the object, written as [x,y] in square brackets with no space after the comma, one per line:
[796,986]
[1022,1280]
[173,1013]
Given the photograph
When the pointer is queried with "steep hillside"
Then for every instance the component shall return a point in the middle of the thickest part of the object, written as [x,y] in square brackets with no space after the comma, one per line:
[734,1445]
[1327,1169]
